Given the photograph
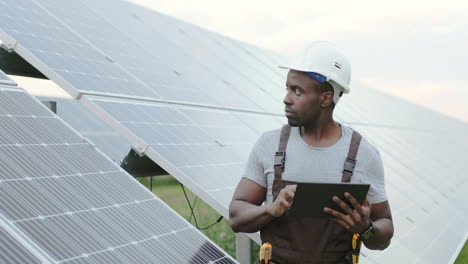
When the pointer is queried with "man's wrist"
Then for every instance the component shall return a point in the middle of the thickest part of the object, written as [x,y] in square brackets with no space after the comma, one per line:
[368,233]
[268,210]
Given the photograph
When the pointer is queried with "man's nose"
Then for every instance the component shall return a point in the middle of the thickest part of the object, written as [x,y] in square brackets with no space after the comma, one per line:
[287,98]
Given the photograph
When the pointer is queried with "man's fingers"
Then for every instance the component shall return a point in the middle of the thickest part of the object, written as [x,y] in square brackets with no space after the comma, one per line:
[356,216]
[285,203]
[342,205]
[353,201]
[292,187]
[366,203]
[285,197]
[338,215]
[288,189]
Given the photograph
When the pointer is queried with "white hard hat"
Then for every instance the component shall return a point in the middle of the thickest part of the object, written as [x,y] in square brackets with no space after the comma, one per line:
[324,62]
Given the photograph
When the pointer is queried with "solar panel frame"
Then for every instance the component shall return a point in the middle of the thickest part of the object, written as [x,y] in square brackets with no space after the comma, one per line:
[14,248]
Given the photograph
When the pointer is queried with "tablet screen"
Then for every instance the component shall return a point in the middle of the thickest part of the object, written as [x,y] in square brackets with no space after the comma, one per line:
[310,198]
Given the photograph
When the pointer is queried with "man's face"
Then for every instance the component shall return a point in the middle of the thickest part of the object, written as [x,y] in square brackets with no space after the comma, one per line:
[302,102]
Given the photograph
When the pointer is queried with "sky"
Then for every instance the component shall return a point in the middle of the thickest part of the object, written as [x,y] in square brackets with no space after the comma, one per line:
[416,50]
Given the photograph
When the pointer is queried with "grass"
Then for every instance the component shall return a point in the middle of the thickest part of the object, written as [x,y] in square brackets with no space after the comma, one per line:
[463,257]
[170,191]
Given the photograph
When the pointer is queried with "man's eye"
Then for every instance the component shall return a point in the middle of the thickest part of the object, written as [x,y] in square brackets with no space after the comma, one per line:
[295,90]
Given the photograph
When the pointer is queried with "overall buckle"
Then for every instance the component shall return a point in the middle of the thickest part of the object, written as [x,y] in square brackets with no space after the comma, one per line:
[279,159]
[349,164]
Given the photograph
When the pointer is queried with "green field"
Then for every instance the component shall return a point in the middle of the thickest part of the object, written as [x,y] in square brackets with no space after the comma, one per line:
[463,257]
[170,191]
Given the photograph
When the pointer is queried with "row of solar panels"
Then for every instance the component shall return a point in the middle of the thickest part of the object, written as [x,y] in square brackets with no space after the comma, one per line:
[63,201]
[194,102]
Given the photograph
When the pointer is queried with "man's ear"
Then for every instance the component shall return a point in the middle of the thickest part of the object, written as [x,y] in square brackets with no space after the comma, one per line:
[326,98]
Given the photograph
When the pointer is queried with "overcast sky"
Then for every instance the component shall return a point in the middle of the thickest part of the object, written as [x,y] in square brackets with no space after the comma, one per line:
[417,50]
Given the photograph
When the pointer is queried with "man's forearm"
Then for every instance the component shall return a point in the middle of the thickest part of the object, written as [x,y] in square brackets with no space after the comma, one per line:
[383,234]
[248,218]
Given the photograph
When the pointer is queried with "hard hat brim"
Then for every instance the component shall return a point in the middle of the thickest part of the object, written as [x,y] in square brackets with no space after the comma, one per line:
[345,90]
[292,68]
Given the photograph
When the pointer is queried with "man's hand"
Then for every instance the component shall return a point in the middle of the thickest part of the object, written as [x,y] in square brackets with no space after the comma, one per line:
[357,220]
[283,202]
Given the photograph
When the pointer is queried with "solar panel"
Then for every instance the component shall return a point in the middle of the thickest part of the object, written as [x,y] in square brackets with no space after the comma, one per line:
[419,148]
[367,106]
[70,204]
[196,145]
[65,56]
[208,53]
[88,125]
[5,80]
[3,77]
[97,52]
[423,188]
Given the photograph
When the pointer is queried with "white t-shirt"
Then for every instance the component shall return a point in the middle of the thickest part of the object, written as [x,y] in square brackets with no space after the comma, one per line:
[304,163]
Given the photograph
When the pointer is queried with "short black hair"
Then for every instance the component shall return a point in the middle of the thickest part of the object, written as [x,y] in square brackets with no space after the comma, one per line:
[325,87]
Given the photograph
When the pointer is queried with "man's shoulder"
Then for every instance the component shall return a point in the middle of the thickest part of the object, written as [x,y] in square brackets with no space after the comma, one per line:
[270,136]
[366,147]
[266,143]
[269,139]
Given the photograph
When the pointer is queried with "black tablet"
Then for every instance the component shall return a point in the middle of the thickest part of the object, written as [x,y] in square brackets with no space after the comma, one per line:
[310,198]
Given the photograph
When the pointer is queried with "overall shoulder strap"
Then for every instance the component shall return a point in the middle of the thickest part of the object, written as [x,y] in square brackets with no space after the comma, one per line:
[350,161]
[281,153]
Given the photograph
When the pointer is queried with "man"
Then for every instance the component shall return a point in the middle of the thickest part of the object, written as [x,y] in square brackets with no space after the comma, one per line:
[318,149]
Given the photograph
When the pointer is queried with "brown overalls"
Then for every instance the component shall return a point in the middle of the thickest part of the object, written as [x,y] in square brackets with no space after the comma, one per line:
[310,240]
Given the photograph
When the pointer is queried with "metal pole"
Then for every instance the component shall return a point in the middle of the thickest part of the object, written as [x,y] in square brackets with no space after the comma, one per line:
[151,183]
[243,248]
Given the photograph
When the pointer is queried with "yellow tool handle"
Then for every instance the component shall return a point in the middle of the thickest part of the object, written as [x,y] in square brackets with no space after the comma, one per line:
[265,252]
[354,245]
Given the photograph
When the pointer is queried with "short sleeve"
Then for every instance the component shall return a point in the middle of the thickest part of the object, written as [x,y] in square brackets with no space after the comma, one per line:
[375,176]
[254,169]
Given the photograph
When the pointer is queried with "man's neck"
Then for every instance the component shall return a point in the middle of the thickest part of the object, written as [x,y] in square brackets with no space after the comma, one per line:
[324,132]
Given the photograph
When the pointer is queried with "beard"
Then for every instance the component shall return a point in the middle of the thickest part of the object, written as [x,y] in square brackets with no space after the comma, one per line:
[294,121]
[305,117]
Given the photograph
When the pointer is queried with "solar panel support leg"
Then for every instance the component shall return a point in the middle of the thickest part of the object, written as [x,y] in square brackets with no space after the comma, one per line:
[243,255]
